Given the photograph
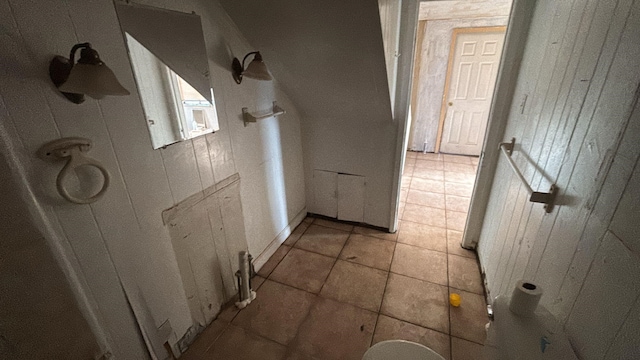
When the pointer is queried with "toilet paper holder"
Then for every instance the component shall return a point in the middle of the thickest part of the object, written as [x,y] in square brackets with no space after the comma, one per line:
[72,149]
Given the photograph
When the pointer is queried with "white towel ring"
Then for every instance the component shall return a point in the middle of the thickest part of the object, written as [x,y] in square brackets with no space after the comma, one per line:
[72,150]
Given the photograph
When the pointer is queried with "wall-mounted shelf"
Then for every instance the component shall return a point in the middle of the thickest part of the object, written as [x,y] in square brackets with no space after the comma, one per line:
[251,118]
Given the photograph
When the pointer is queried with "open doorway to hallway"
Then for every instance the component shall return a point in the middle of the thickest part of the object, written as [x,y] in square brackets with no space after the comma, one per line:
[458,49]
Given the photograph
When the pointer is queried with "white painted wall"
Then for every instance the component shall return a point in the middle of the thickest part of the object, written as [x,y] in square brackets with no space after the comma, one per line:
[121,238]
[390,23]
[440,18]
[329,58]
[459,9]
[434,60]
[41,316]
[579,129]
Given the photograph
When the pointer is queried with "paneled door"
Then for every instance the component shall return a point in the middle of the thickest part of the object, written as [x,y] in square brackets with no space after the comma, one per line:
[471,76]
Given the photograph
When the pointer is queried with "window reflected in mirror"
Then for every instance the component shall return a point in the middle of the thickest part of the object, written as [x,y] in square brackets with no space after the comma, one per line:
[174,110]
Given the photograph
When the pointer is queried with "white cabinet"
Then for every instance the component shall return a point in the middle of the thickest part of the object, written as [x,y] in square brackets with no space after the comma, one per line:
[338,195]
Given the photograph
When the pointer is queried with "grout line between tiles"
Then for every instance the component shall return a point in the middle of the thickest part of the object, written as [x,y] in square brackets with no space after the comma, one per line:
[384,292]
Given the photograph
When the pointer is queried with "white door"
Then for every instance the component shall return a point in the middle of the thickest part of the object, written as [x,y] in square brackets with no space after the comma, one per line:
[472,77]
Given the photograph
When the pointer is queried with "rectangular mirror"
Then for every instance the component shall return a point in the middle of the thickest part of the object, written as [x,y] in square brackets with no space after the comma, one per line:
[169,61]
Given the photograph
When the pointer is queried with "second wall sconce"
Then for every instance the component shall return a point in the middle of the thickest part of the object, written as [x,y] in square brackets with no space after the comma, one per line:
[89,76]
[255,70]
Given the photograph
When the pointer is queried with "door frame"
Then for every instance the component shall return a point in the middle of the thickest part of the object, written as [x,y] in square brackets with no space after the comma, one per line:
[512,52]
[447,81]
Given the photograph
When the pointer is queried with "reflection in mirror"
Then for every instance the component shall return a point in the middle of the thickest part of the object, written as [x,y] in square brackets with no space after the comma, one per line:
[171,72]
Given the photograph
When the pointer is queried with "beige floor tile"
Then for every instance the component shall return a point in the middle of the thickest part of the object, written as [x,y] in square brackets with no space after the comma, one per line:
[303,270]
[205,340]
[424,215]
[412,154]
[369,251]
[276,313]
[430,174]
[237,343]
[454,239]
[474,160]
[458,203]
[460,159]
[459,177]
[434,186]
[308,220]
[322,240]
[425,198]
[458,189]
[229,310]
[297,233]
[420,263]
[297,355]
[411,161]
[389,328]
[355,284]
[274,260]
[407,170]
[430,156]
[406,180]
[380,234]
[428,164]
[424,236]
[401,206]
[335,330]
[466,350]
[416,301]
[469,319]
[464,274]
[333,224]
[257,282]
[456,167]
[456,220]
[403,194]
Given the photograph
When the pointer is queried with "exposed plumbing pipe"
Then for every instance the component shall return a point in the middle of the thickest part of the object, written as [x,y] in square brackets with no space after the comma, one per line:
[246,294]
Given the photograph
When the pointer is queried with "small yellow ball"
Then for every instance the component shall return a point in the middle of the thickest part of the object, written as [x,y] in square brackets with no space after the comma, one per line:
[454,299]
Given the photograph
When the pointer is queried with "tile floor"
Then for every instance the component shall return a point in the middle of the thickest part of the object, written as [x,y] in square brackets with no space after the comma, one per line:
[332,289]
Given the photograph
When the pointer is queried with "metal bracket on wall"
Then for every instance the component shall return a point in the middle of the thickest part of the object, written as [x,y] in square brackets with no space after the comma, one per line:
[251,118]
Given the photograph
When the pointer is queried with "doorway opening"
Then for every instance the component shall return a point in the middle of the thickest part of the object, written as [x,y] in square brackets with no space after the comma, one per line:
[458,51]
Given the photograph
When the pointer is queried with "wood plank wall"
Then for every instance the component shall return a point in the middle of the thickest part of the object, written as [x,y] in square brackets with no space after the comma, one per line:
[121,237]
[576,119]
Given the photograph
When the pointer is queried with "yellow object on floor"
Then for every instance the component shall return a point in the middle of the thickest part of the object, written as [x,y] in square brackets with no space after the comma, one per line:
[454,299]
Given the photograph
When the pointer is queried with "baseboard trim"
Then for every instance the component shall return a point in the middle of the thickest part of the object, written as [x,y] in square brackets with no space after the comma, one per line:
[259,261]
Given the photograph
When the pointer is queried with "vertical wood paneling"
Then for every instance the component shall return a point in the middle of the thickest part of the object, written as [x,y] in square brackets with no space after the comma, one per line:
[588,60]
[626,345]
[606,298]
[576,130]
[111,236]
[599,145]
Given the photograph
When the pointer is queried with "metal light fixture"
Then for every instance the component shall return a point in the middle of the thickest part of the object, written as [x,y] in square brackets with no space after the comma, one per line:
[255,70]
[89,76]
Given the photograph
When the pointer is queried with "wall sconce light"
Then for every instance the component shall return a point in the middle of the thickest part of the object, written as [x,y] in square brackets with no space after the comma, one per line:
[255,70]
[89,76]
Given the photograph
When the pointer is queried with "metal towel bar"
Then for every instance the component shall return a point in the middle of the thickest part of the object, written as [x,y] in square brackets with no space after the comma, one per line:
[547,198]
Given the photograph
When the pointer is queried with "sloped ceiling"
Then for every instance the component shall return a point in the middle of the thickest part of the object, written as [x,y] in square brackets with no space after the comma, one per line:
[328,56]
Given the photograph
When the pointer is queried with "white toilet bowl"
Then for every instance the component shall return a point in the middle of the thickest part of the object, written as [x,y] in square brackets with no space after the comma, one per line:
[400,350]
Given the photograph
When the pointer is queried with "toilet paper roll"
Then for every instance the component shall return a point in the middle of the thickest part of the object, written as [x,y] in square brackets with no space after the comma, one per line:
[525,298]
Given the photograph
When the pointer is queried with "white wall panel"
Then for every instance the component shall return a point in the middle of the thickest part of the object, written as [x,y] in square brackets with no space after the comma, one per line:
[325,191]
[351,193]
[125,226]
[435,47]
[575,129]
[606,298]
